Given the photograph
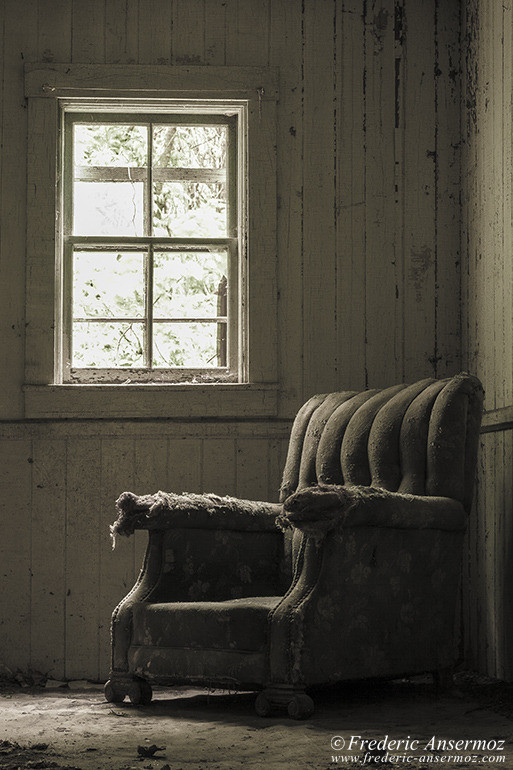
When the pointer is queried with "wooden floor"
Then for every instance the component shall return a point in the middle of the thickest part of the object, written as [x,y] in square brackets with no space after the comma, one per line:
[196,729]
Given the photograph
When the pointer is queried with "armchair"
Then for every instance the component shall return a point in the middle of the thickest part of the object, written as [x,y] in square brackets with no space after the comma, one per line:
[354,575]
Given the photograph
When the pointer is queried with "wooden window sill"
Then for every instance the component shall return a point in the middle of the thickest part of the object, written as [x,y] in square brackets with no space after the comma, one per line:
[169,400]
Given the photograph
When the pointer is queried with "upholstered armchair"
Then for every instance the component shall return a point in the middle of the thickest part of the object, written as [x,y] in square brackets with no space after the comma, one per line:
[354,575]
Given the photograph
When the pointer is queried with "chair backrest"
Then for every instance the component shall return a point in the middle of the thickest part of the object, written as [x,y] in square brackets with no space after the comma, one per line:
[419,439]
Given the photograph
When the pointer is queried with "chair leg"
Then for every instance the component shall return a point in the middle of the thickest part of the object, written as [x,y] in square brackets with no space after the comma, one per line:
[120,685]
[279,697]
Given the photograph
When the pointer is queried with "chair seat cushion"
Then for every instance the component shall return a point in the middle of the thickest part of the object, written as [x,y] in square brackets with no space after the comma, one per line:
[237,624]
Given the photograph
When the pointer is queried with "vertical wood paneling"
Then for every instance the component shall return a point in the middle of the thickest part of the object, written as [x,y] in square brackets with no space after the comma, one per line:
[116,567]
[506,669]
[448,184]
[83,534]
[88,35]
[247,32]
[350,203]
[54,30]
[419,194]
[19,44]
[215,32]
[276,454]
[219,468]
[507,200]
[150,475]
[487,321]
[319,283]
[286,53]
[15,551]
[184,465]
[121,31]
[382,316]
[155,32]
[188,31]
[48,556]
[252,468]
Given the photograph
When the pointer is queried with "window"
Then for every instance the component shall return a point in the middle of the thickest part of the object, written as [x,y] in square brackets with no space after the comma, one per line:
[151,241]
[154,295]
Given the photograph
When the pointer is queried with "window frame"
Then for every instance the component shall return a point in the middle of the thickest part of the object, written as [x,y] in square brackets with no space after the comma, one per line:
[47,87]
[234,116]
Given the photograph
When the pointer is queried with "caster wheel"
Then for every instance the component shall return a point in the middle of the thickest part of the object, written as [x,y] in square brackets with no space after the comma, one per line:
[112,693]
[300,707]
[262,705]
[139,692]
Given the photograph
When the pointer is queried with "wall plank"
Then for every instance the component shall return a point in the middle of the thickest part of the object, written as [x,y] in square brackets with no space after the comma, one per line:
[219,470]
[54,30]
[447,192]
[351,192]
[155,44]
[121,31]
[419,196]
[188,31]
[19,44]
[88,35]
[48,556]
[83,534]
[116,567]
[286,51]
[320,357]
[15,552]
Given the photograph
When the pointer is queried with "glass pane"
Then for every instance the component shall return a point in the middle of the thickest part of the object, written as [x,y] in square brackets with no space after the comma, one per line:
[190,209]
[107,345]
[189,146]
[108,284]
[99,144]
[189,284]
[108,208]
[188,345]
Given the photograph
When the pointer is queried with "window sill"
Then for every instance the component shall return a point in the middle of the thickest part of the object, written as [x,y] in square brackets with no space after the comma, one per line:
[189,401]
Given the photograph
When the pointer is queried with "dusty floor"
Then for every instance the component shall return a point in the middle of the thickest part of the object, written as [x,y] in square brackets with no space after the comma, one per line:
[76,728]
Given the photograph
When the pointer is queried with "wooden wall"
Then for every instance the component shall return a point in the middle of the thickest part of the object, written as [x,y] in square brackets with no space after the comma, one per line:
[368,273]
[488,324]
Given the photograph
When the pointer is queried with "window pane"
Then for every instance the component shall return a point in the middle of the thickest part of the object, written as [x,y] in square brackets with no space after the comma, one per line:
[190,284]
[108,208]
[189,146]
[108,284]
[188,345]
[99,144]
[107,345]
[190,209]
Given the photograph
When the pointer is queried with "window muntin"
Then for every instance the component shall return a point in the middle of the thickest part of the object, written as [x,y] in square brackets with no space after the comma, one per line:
[151,240]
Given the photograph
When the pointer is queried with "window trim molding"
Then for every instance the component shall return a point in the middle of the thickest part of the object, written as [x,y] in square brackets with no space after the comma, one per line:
[48,84]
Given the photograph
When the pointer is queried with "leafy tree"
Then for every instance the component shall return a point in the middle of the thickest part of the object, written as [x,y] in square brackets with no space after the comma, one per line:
[186,284]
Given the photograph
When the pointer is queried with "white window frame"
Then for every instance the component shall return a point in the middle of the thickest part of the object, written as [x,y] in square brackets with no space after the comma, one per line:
[48,88]
[234,116]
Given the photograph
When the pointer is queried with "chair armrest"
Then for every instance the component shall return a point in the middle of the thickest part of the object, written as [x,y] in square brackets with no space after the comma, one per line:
[166,510]
[370,562]
[316,510]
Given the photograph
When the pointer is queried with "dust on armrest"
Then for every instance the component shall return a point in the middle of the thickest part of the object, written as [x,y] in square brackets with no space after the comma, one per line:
[168,509]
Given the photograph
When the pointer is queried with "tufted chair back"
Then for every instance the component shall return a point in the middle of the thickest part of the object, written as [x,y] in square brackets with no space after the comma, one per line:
[419,439]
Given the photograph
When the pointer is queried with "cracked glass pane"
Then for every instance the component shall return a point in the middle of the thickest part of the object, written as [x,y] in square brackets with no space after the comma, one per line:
[108,284]
[108,208]
[190,284]
[107,345]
